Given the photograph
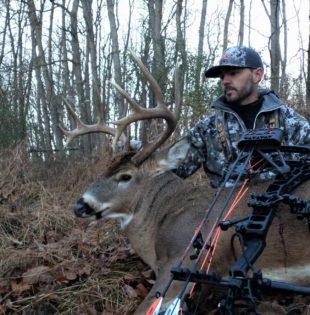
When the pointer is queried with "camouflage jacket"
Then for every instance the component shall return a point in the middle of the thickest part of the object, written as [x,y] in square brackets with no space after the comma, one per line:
[214,139]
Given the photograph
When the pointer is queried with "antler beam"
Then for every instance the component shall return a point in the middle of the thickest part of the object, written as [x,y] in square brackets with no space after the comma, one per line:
[141,113]
[82,128]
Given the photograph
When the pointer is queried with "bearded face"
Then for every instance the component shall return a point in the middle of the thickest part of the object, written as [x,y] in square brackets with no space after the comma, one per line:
[239,85]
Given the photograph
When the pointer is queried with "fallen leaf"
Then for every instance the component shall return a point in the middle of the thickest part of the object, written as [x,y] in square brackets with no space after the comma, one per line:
[37,274]
[19,288]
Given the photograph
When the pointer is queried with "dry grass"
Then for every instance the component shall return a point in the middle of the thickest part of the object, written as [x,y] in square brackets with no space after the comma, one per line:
[51,262]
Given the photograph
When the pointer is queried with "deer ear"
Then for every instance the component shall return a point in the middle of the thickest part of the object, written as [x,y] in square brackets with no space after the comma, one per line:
[176,154]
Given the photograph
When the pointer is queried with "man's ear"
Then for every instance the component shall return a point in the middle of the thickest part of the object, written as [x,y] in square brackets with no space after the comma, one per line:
[176,154]
[258,75]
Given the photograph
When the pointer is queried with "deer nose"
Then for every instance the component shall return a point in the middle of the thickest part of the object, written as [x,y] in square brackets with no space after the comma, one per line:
[82,209]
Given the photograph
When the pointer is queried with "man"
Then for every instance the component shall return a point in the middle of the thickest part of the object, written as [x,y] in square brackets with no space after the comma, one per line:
[242,106]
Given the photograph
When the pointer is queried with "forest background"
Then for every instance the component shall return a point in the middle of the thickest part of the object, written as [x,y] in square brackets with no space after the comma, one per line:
[73,49]
[50,262]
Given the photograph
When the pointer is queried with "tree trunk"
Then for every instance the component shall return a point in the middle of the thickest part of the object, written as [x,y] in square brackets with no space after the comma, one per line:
[54,101]
[308,69]
[226,25]
[198,83]
[158,64]
[45,90]
[241,24]
[116,56]
[250,24]
[275,51]
[77,71]
[283,82]
[180,50]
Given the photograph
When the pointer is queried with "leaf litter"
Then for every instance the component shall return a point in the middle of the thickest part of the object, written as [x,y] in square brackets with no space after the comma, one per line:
[53,263]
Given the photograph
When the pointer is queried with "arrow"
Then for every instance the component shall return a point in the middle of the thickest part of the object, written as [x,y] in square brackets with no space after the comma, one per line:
[155,307]
[174,307]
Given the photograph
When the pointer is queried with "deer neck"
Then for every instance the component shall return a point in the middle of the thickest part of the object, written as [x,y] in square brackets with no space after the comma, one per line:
[149,208]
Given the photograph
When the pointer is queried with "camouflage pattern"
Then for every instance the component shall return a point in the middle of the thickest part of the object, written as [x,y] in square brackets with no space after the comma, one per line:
[214,139]
[234,57]
[240,57]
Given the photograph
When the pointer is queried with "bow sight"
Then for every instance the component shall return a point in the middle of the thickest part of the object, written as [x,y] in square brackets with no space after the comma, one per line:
[291,165]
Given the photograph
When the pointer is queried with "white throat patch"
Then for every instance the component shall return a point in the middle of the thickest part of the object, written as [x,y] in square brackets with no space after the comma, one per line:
[124,218]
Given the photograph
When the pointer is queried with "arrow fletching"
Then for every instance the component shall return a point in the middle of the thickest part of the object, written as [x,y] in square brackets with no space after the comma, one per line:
[155,307]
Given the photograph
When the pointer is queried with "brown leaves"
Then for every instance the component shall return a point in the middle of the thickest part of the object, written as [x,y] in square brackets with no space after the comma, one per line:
[67,272]
[36,275]
[52,263]
[43,275]
[19,288]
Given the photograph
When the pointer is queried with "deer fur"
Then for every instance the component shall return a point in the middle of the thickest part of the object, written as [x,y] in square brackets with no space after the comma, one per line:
[159,213]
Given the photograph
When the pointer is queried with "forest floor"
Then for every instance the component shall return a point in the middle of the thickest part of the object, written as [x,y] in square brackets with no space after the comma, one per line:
[53,263]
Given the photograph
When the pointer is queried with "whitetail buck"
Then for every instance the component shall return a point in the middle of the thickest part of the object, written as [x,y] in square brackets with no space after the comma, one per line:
[159,211]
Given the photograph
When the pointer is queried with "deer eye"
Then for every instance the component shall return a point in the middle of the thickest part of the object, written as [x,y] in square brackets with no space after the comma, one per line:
[125,178]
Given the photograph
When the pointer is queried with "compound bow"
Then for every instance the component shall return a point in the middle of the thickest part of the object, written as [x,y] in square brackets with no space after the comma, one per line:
[242,289]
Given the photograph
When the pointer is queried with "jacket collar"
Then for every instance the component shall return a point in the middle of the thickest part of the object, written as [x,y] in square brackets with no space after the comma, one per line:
[270,101]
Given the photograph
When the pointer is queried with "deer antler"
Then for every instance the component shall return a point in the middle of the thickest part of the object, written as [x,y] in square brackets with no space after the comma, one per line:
[141,113]
[82,128]
[138,113]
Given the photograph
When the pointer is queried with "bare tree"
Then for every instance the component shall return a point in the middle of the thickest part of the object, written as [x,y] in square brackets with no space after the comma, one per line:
[180,50]
[250,23]
[274,43]
[155,8]
[66,83]
[116,55]
[45,93]
[241,24]
[78,81]
[4,32]
[14,94]
[283,90]
[308,70]
[53,101]
[200,45]
[226,25]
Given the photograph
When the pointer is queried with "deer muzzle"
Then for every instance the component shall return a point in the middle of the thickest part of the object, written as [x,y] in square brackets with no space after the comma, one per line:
[82,209]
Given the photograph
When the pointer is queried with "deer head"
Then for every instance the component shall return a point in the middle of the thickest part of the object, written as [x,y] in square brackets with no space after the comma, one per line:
[126,171]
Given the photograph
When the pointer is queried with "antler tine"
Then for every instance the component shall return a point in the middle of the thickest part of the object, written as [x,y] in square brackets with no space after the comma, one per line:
[155,87]
[82,128]
[141,113]
[157,90]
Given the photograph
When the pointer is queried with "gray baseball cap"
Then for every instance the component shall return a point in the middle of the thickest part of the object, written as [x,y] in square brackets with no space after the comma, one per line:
[236,57]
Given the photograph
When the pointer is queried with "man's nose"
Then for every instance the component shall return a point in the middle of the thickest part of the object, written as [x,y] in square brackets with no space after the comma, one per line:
[225,79]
